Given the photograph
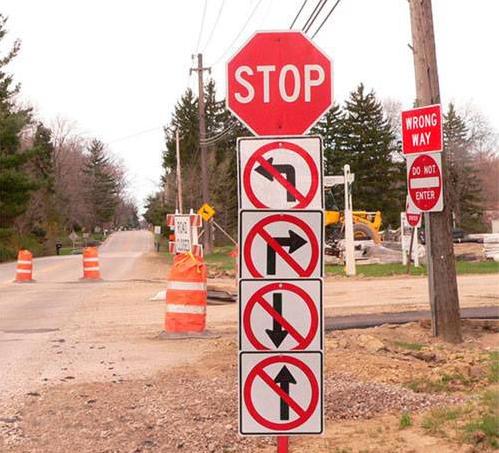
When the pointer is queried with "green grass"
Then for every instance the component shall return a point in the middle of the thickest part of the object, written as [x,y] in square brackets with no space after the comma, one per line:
[487,423]
[434,422]
[405,420]
[386,270]
[494,367]
[410,346]
[440,385]
[220,259]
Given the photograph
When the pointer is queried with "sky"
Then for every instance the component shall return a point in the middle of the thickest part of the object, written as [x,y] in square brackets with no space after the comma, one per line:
[117,67]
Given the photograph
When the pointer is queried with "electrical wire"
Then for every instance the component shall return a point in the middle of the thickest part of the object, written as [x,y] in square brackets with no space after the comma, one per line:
[126,137]
[312,13]
[217,137]
[202,24]
[298,14]
[214,26]
[307,28]
[241,31]
[326,18]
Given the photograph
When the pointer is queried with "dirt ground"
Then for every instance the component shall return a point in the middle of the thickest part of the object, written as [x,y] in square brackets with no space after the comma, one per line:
[110,383]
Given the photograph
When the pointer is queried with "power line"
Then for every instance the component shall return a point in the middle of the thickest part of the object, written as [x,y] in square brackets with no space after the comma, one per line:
[298,14]
[214,26]
[202,24]
[312,13]
[126,137]
[217,137]
[307,28]
[239,34]
[326,18]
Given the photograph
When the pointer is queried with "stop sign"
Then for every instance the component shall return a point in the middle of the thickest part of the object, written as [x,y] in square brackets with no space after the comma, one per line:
[279,83]
[424,181]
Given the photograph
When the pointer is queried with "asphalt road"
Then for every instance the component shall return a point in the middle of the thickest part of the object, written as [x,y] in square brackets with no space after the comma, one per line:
[31,312]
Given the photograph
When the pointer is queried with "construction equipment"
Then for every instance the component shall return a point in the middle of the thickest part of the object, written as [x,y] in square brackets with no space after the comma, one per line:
[366,224]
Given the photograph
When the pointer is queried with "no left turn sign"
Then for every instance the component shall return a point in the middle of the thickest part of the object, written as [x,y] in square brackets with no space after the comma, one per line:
[280,315]
[284,173]
[280,393]
[281,244]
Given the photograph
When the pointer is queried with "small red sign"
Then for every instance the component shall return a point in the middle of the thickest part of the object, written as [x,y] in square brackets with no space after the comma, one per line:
[422,130]
[279,83]
[413,219]
[424,181]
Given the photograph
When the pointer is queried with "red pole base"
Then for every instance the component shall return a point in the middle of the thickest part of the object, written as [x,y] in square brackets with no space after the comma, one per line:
[282,444]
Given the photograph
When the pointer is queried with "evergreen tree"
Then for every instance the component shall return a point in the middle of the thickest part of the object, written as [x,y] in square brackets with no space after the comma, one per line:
[329,128]
[365,141]
[464,187]
[15,184]
[102,186]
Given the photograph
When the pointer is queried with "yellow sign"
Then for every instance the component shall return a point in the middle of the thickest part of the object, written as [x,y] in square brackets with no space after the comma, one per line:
[206,212]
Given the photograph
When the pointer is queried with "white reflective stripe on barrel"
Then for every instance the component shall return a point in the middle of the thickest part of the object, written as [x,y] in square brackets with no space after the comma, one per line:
[191,309]
[96,268]
[23,271]
[187,286]
[91,260]
[23,261]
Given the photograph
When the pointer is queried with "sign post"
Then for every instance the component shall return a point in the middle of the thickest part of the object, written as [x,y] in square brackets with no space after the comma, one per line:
[279,84]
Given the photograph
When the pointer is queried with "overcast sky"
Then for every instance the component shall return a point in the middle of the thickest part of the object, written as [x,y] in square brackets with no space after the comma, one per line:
[117,67]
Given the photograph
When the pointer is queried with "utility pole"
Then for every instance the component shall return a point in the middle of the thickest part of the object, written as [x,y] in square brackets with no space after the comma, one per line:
[444,298]
[207,237]
[179,173]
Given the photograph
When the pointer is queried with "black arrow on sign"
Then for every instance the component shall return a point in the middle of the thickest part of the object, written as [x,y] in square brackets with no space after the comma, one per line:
[284,378]
[277,334]
[286,169]
[293,241]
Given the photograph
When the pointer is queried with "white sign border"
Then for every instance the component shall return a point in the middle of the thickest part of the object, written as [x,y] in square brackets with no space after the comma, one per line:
[265,281]
[320,380]
[270,138]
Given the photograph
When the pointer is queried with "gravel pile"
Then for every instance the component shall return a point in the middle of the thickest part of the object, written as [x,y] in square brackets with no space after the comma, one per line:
[350,399]
[175,413]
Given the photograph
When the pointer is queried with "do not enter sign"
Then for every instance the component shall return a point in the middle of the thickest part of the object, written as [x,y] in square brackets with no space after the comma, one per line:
[424,182]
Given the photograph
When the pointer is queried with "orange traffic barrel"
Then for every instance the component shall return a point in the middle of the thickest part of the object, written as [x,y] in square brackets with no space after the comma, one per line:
[91,270]
[186,295]
[24,268]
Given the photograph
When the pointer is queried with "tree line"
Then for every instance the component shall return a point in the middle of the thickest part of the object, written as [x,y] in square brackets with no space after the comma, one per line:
[363,132]
[52,179]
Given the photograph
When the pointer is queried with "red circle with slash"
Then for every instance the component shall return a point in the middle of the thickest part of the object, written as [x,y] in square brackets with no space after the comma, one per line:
[257,298]
[303,413]
[257,159]
[259,229]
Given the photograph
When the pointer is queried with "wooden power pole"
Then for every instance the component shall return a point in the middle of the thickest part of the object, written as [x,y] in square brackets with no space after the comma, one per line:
[205,181]
[444,298]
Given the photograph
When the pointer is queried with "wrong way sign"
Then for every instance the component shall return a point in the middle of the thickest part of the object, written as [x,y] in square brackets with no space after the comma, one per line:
[280,314]
[283,173]
[281,244]
[280,393]
[424,182]
[422,130]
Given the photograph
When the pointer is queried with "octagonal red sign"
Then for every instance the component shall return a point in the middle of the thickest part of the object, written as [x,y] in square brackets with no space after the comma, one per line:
[279,83]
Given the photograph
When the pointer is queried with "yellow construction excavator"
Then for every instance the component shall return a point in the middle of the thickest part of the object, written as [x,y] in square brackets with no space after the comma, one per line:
[366,225]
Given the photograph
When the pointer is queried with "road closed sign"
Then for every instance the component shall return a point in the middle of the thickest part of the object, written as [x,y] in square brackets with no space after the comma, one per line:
[422,130]
[283,244]
[279,83]
[424,182]
[284,173]
[280,393]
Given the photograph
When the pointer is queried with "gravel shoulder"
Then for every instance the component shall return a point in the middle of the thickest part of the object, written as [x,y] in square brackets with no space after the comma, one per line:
[107,382]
